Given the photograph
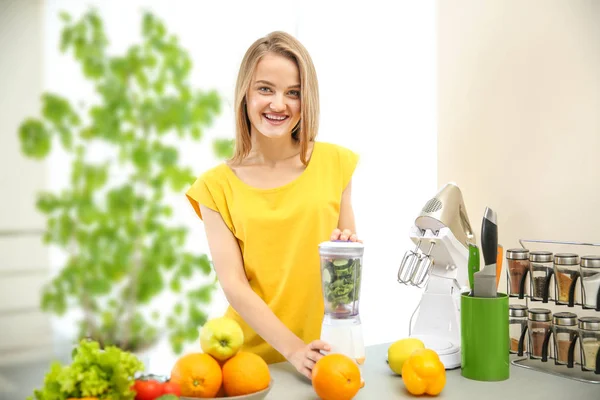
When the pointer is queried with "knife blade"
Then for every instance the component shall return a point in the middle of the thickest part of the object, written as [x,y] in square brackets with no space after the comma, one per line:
[485,280]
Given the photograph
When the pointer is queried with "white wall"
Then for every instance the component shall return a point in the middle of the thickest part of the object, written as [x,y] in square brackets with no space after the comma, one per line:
[25,332]
[519,118]
[376,67]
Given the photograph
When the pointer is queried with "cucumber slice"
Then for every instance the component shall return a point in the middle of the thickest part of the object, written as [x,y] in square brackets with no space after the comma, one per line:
[326,276]
[341,262]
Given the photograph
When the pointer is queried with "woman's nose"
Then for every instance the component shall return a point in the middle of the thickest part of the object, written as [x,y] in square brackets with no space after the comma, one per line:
[277,104]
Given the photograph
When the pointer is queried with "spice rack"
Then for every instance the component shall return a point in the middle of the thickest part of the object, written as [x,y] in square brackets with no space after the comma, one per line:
[576,291]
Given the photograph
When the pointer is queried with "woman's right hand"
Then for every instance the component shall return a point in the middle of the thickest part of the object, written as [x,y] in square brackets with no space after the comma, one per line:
[305,357]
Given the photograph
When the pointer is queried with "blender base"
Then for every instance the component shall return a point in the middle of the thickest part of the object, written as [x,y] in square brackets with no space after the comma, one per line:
[345,336]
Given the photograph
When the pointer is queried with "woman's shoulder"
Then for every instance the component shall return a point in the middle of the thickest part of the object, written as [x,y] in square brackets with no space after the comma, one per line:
[214,174]
[337,152]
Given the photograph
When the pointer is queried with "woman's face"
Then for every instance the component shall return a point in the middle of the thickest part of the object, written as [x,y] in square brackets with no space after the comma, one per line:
[273,98]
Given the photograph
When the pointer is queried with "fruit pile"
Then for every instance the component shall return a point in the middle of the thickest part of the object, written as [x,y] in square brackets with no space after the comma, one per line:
[221,369]
[421,369]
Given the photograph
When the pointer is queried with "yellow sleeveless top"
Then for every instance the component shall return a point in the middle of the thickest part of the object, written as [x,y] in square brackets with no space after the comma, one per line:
[278,231]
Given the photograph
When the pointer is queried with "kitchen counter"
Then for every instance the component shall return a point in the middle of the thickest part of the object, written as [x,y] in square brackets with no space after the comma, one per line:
[381,383]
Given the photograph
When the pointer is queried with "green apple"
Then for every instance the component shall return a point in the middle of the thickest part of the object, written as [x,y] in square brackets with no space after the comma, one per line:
[221,338]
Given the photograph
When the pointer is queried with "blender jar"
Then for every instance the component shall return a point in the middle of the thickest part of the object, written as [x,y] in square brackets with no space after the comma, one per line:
[517,321]
[590,281]
[564,327]
[566,269]
[540,271]
[589,339]
[517,261]
[341,268]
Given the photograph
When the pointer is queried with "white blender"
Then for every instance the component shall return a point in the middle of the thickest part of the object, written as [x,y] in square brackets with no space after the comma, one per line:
[442,234]
[341,270]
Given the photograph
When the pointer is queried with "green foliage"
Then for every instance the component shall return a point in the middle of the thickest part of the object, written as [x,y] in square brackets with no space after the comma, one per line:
[113,220]
[107,374]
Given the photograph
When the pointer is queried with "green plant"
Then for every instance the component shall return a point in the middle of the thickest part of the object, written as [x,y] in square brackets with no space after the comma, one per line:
[112,222]
[107,374]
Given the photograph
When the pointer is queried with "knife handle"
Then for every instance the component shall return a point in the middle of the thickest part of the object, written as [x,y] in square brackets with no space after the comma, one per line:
[489,237]
[472,263]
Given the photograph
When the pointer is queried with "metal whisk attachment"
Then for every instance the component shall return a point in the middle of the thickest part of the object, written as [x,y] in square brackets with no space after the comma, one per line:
[415,266]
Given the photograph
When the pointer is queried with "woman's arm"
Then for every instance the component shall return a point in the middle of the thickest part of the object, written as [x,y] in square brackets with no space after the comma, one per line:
[346,229]
[227,260]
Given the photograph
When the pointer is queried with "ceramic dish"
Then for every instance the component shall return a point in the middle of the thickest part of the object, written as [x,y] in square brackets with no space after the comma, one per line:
[253,396]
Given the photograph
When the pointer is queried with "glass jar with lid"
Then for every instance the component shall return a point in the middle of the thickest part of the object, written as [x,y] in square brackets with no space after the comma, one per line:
[589,339]
[517,263]
[566,270]
[564,330]
[517,322]
[540,272]
[539,324]
[590,281]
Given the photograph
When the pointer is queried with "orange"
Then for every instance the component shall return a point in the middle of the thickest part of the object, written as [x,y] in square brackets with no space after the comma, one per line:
[198,375]
[245,373]
[336,377]
[424,373]
[221,392]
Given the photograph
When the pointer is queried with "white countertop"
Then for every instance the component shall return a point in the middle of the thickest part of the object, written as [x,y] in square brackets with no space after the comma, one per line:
[381,383]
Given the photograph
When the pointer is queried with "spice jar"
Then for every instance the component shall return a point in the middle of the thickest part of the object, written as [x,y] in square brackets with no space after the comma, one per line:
[538,325]
[564,329]
[540,270]
[517,261]
[566,269]
[517,321]
[589,337]
[590,281]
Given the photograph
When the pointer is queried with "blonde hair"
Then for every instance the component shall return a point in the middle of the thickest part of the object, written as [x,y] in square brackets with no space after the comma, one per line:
[285,45]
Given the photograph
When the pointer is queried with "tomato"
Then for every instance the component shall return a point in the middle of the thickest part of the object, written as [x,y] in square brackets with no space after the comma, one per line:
[148,389]
[171,388]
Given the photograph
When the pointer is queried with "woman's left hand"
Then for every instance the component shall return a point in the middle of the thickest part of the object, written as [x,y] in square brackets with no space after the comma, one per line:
[345,235]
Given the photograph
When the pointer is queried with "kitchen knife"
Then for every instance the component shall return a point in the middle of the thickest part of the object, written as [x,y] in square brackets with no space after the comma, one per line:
[499,258]
[489,237]
[473,262]
[485,280]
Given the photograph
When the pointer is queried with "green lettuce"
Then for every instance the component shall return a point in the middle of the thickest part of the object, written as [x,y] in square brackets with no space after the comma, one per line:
[108,374]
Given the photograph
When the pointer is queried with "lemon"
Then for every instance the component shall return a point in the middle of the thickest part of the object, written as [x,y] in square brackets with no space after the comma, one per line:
[399,351]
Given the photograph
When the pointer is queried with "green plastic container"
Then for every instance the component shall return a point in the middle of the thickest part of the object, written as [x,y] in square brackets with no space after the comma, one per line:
[484,337]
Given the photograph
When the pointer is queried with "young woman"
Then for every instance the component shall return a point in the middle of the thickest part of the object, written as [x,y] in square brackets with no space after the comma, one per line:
[266,210]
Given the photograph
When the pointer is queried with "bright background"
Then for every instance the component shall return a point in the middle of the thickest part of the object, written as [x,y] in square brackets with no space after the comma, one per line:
[376,68]
[501,96]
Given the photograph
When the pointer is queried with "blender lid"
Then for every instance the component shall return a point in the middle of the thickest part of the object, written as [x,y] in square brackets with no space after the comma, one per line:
[341,244]
[341,248]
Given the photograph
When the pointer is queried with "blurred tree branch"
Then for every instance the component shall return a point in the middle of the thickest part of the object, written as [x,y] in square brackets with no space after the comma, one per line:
[113,220]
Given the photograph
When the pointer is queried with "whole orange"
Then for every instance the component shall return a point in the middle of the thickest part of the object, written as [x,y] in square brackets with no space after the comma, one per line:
[424,373]
[198,375]
[336,377]
[245,373]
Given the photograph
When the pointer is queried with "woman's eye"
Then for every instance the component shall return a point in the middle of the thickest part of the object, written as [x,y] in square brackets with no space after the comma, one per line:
[264,89]
[295,93]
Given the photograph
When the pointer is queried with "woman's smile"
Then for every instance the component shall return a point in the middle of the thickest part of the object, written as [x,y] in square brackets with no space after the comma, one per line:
[275,119]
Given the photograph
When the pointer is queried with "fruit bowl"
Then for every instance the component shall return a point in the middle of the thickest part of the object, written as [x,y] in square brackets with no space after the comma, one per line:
[252,396]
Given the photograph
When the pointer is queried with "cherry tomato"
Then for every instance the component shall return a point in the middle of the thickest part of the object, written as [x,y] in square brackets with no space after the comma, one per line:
[171,388]
[147,389]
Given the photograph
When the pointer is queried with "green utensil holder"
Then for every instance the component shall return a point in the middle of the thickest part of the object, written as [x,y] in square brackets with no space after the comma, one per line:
[484,337]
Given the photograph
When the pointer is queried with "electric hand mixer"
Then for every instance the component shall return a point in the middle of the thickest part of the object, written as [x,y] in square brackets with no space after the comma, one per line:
[443,230]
